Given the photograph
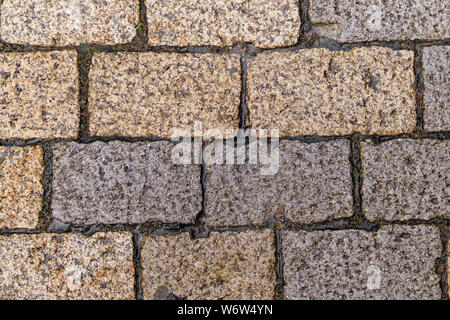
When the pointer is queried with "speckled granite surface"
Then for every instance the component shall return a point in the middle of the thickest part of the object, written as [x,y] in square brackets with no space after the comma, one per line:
[326,93]
[226,265]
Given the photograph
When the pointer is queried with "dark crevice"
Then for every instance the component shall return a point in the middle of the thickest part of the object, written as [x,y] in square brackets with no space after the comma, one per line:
[419,88]
[84,64]
[137,266]
[243,103]
[279,265]
[47,179]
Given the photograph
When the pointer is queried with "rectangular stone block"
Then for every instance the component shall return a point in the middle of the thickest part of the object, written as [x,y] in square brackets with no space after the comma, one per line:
[266,23]
[21,188]
[224,266]
[39,95]
[326,93]
[436,74]
[396,262]
[66,266]
[406,179]
[313,183]
[121,182]
[367,20]
[69,22]
[151,94]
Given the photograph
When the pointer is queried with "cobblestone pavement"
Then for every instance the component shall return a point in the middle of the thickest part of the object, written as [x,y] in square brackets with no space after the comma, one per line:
[92,205]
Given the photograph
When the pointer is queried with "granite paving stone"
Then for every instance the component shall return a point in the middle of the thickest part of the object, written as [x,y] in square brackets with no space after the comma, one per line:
[66,266]
[266,23]
[39,95]
[396,262]
[321,92]
[151,94]
[368,20]
[312,184]
[436,74]
[122,182]
[406,179]
[69,22]
[21,188]
[226,265]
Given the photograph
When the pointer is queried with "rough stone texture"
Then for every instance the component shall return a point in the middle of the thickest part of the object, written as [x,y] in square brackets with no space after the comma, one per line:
[226,265]
[39,93]
[406,179]
[266,23]
[436,69]
[323,92]
[21,189]
[339,264]
[121,182]
[313,184]
[66,266]
[366,20]
[68,22]
[150,94]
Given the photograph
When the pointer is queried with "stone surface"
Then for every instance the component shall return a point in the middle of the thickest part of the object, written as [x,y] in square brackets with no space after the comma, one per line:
[313,184]
[150,94]
[323,92]
[397,262]
[436,69]
[68,22]
[367,20]
[21,189]
[406,179]
[39,95]
[226,265]
[66,266]
[121,182]
[266,23]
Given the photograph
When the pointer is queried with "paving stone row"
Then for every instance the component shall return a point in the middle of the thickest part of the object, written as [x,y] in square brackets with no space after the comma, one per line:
[136,182]
[305,92]
[397,262]
[267,24]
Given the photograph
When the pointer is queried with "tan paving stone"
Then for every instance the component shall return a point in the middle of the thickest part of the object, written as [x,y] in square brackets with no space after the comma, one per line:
[226,265]
[21,188]
[150,94]
[69,22]
[367,20]
[39,95]
[406,179]
[323,92]
[66,266]
[266,23]
[436,74]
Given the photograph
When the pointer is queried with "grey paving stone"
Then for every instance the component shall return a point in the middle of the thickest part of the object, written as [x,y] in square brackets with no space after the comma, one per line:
[67,266]
[366,20]
[121,182]
[406,179]
[397,262]
[313,184]
[436,73]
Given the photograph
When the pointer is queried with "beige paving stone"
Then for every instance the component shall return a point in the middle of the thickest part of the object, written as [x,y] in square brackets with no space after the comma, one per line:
[69,22]
[323,92]
[39,93]
[436,74]
[266,23]
[367,20]
[406,179]
[21,188]
[66,266]
[150,94]
[226,265]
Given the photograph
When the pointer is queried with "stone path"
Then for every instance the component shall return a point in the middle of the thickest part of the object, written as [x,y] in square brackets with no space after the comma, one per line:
[92,205]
